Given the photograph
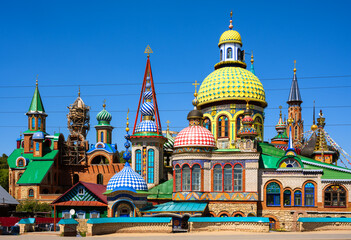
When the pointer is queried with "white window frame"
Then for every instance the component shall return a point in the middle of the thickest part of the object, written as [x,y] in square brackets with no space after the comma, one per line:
[80,212]
[81,188]
[95,212]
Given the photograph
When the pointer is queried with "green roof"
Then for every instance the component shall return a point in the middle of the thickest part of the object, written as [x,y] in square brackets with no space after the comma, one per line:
[161,191]
[176,207]
[35,172]
[47,155]
[36,104]
[130,220]
[271,155]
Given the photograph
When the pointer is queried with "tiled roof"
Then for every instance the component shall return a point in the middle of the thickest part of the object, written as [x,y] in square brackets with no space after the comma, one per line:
[35,172]
[82,203]
[36,105]
[177,207]
[48,154]
[130,220]
[161,191]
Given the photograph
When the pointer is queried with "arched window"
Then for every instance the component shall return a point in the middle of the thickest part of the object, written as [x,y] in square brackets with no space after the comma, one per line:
[196,178]
[39,123]
[240,55]
[33,122]
[335,196]
[224,215]
[238,215]
[287,198]
[102,136]
[273,194]
[297,198]
[178,179]
[228,178]
[20,163]
[138,161]
[238,176]
[296,133]
[207,124]
[309,194]
[229,53]
[150,165]
[238,122]
[217,178]
[100,179]
[221,55]
[186,178]
[75,178]
[289,163]
[223,126]
[30,193]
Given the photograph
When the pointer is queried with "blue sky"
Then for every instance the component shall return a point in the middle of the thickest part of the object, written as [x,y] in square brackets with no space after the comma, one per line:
[85,43]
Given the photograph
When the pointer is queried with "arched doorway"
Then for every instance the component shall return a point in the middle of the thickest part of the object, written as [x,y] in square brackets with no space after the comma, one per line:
[272,224]
[99,159]
[123,209]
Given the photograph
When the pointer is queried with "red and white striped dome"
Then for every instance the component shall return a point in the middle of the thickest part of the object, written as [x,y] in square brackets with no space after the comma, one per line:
[194,136]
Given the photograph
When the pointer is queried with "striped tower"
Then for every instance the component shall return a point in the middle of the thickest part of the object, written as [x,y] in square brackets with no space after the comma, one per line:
[147,139]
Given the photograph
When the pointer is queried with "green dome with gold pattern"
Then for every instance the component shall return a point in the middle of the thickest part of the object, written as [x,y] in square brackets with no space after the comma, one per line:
[104,116]
[231,83]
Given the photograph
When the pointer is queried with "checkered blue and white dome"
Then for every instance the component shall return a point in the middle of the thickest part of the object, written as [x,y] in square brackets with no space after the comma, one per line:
[127,179]
[146,126]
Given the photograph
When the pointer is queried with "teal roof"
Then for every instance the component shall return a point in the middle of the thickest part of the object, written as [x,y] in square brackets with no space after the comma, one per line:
[325,220]
[48,154]
[130,220]
[161,191]
[27,221]
[177,207]
[35,172]
[271,156]
[229,219]
[68,221]
[36,105]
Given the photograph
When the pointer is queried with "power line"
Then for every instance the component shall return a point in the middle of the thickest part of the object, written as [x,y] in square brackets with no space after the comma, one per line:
[161,83]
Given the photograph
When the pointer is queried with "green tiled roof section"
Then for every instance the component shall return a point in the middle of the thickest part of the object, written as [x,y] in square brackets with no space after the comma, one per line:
[130,220]
[36,104]
[34,131]
[229,219]
[48,155]
[331,174]
[177,207]
[35,172]
[162,191]
[281,136]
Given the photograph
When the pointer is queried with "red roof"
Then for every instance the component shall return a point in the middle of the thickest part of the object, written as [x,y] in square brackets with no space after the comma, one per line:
[9,221]
[96,189]
[82,203]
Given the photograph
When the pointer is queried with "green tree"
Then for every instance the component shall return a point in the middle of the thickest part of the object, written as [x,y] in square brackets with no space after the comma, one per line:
[4,172]
[33,206]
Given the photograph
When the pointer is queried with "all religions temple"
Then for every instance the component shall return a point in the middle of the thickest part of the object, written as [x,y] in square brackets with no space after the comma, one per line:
[218,166]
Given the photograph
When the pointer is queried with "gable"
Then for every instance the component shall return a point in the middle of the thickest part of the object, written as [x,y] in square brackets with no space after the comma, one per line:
[73,195]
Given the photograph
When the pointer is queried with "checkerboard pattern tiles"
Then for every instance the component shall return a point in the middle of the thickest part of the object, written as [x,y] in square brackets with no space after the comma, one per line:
[195,136]
[127,177]
[146,126]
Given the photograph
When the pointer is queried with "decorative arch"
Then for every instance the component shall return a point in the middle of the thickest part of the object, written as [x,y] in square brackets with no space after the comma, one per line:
[223,128]
[288,161]
[258,125]
[99,159]
[309,193]
[335,196]
[119,208]
[223,214]
[238,214]
[273,221]
[278,196]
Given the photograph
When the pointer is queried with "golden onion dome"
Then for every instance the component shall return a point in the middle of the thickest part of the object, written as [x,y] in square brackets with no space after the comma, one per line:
[231,83]
[314,127]
[230,36]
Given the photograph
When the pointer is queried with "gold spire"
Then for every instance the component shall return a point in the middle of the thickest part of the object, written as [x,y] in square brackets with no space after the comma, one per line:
[247,103]
[36,80]
[79,91]
[252,58]
[168,125]
[104,104]
[280,114]
[196,84]
[148,50]
[231,20]
[127,128]
[294,66]
[314,127]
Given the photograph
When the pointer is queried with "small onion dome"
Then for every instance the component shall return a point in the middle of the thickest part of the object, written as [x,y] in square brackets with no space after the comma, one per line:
[147,109]
[38,135]
[170,142]
[146,126]
[195,114]
[127,179]
[247,120]
[104,116]
[195,136]
[230,36]
[314,127]
[247,131]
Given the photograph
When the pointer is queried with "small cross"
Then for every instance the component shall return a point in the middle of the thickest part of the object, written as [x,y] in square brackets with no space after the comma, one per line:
[148,50]
[196,84]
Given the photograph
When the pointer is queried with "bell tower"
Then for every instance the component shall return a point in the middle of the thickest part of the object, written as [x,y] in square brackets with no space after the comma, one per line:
[294,110]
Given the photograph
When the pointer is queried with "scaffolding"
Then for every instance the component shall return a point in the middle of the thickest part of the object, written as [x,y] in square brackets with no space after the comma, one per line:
[78,124]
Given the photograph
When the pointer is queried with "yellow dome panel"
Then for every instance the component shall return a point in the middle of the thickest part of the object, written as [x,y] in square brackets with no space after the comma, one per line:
[230,36]
[231,83]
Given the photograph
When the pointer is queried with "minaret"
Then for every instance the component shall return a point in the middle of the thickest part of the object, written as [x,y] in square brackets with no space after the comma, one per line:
[104,129]
[294,110]
[147,139]
[36,119]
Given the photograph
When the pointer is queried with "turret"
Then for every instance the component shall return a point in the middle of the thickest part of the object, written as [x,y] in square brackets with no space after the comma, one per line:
[104,129]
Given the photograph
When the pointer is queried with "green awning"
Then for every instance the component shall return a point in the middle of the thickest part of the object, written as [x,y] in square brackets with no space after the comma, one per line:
[161,191]
[35,172]
[176,207]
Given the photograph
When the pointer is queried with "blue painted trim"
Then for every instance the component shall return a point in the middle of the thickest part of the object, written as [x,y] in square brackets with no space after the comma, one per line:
[27,221]
[229,219]
[67,221]
[325,220]
[130,220]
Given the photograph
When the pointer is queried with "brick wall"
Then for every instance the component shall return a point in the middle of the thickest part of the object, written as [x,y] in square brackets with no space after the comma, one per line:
[218,208]
[313,226]
[229,226]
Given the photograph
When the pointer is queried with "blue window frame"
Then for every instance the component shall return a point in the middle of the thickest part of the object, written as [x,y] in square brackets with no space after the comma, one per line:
[297,198]
[138,161]
[102,136]
[150,166]
[309,194]
[33,122]
[39,122]
[287,198]
[80,214]
[273,194]
[30,193]
[37,146]
[94,214]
